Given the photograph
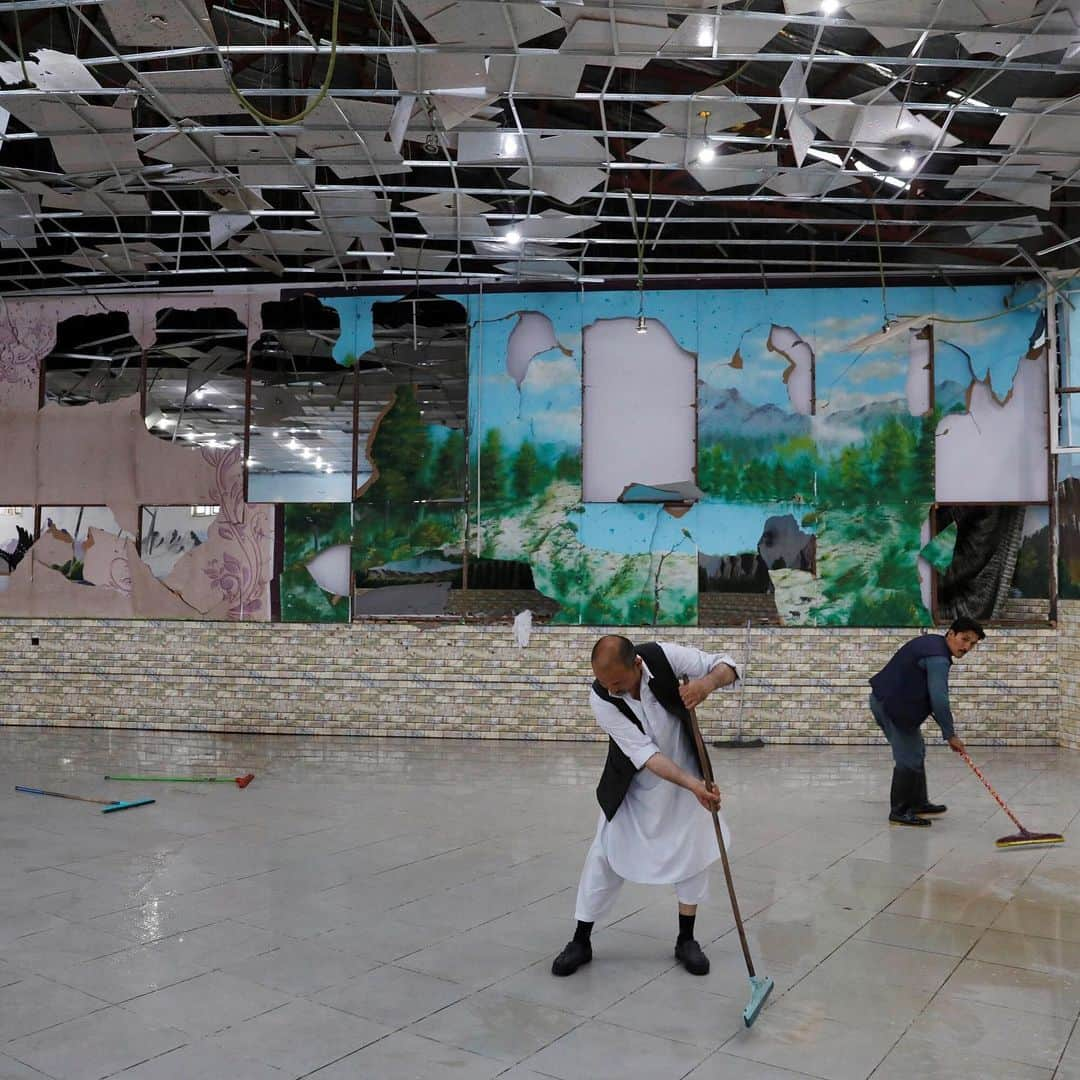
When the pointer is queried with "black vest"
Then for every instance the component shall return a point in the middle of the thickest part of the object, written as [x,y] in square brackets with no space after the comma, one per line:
[619,769]
[901,685]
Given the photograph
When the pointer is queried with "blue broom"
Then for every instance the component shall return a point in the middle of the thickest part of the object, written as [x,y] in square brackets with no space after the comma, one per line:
[110,805]
[761,986]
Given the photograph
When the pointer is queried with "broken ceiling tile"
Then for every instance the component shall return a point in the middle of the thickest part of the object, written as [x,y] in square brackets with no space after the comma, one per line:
[158,23]
[474,22]
[408,258]
[569,148]
[667,149]
[629,46]
[253,149]
[345,203]
[449,204]
[296,174]
[1015,45]
[455,109]
[1051,129]
[183,147]
[533,75]
[498,249]
[222,226]
[293,241]
[358,171]
[192,92]
[723,34]
[603,12]
[683,117]
[800,130]
[98,201]
[553,225]
[18,212]
[104,142]
[60,71]
[234,197]
[434,73]
[810,181]
[538,269]
[1015,183]
[449,228]
[490,148]
[1003,232]
[566,184]
[734,170]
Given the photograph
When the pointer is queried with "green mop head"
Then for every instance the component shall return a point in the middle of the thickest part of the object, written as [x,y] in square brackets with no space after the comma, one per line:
[761,986]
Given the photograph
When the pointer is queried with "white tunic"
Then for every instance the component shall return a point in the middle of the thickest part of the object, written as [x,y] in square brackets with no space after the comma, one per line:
[661,834]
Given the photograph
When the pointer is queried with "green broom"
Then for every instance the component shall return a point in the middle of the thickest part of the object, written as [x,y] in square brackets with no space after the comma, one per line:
[239,781]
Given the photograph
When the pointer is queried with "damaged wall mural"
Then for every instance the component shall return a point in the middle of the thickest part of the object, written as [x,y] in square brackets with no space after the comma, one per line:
[675,457]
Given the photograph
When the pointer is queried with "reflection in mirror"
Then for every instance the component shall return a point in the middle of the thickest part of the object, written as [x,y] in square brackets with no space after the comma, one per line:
[195,378]
[1000,563]
[301,435]
[170,531]
[95,360]
[409,517]
[16,536]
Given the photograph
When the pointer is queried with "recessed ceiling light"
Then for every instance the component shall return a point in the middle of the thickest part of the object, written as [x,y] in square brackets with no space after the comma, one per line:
[907,162]
[706,155]
[513,237]
[830,7]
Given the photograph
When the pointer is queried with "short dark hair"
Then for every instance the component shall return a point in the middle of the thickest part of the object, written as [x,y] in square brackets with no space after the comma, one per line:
[966,625]
[621,647]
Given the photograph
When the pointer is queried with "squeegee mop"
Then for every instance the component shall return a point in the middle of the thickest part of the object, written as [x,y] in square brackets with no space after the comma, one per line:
[761,986]
[239,781]
[1023,838]
[110,805]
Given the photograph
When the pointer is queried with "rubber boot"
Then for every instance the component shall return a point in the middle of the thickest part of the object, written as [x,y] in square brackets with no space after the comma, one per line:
[922,803]
[903,796]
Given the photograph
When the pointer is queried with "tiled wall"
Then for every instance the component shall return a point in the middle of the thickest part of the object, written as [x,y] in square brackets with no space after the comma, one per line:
[1069,672]
[453,680]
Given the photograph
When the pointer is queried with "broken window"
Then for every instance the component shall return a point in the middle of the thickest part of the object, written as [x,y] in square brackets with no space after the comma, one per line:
[639,406]
[195,378]
[67,533]
[95,360]
[301,436]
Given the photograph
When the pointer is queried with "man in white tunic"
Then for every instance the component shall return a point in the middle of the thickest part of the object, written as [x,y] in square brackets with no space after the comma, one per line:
[652,829]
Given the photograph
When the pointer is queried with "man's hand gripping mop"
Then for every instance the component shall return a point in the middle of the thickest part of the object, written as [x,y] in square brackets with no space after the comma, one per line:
[761,986]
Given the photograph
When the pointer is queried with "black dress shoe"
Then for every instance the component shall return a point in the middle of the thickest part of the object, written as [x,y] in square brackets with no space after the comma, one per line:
[906,817]
[571,958]
[688,953]
[930,808]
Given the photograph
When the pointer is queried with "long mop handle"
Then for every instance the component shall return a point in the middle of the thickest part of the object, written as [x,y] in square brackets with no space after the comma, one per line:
[986,783]
[62,795]
[707,773]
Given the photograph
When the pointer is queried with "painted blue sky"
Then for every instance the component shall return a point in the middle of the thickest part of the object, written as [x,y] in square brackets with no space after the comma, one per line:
[716,528]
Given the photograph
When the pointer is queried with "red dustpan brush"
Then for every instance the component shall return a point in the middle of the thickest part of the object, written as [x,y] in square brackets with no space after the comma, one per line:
[1023,838]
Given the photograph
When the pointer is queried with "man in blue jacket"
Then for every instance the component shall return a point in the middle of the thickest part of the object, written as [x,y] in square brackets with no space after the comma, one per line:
[911,686]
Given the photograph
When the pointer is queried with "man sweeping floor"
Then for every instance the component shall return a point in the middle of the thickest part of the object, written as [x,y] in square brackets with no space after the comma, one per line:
[911,686]
[652,829]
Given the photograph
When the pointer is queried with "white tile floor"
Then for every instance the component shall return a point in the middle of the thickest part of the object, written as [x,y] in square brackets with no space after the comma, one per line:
[389,909]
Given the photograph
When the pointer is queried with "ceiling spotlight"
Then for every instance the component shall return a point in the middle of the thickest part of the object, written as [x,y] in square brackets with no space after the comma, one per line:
[830,7]
[907,161]
[508,146]
[513,237]
[706,155]
[642,324]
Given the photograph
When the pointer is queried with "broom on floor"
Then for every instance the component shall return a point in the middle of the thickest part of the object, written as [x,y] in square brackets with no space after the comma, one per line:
[239,781]
[110,805]
[1023,838]
[761,986]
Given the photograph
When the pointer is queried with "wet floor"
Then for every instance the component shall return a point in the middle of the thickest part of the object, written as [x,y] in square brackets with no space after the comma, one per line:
[389,909]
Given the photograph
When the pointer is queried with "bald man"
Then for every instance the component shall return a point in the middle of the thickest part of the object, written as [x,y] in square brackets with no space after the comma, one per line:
[655,824]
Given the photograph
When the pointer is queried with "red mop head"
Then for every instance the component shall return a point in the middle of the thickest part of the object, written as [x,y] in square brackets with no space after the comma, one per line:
[1030,839]
[243,781]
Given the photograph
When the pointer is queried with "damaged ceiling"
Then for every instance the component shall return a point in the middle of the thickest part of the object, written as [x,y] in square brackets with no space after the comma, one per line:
[175,143]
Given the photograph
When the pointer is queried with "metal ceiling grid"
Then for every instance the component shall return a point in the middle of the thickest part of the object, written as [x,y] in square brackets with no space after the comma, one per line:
[523,140]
